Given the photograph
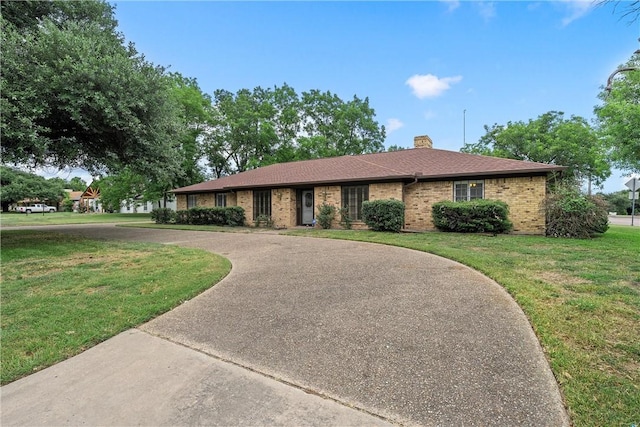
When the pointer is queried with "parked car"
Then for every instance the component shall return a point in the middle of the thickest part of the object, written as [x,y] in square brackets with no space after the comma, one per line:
[37,207]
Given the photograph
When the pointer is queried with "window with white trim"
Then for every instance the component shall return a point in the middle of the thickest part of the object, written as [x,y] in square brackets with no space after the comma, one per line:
[221,200]
[352,198]
[192,201]
[468,190]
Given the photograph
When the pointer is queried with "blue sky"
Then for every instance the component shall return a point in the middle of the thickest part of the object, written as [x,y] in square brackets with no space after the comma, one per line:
[421,64]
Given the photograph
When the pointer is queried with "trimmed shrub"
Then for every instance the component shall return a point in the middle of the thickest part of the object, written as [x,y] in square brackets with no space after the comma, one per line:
[234,216]
[474,216]
[163,216]
[231,215]
[326,214]
[383,215]
[574,215]
[198,216]
[182,217]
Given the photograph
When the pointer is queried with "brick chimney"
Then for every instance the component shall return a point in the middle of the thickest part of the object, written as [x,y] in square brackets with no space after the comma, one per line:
[422,142]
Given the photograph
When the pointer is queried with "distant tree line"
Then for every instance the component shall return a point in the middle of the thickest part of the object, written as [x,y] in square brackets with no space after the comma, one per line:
[17,185]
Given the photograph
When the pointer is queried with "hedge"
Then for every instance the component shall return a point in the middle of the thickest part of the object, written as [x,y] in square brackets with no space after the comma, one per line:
[231,216]
[475,216]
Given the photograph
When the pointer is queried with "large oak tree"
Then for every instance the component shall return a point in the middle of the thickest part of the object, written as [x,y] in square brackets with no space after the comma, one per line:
[73,94]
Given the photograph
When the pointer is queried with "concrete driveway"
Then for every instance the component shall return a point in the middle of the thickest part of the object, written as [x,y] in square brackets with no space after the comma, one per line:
[307,332]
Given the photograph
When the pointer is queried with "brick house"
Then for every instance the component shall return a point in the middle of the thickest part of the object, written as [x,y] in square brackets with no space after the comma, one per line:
[290,193]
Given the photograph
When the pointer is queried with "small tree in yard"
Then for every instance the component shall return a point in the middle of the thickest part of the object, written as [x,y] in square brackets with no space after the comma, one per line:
[326,214]
[574,215]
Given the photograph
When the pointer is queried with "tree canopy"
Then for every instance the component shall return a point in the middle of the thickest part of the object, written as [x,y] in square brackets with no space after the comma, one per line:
[549,139]
[73,94]
[258,127]
[619,117]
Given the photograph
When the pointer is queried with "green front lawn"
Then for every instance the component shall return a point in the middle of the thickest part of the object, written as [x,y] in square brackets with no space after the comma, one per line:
[13,219]
[63,294]
[581,296]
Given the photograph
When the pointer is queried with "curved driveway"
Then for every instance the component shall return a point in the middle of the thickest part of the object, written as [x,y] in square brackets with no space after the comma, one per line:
[406,336]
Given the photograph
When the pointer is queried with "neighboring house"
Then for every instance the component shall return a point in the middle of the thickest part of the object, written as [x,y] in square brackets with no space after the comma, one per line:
[139,206]
[74,196]
[290,193]
[90,200]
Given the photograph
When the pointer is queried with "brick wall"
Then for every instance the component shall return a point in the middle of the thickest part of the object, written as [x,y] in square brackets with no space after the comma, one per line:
[244,199]
[385,191]
[418,200]
[331,195]
[283,207]
[525,197]
[204,200]
[181,202]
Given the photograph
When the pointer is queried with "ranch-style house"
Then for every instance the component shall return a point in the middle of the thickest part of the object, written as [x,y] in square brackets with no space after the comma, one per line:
[290,193]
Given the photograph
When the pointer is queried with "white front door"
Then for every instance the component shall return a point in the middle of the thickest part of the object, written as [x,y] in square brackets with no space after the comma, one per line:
[307,207]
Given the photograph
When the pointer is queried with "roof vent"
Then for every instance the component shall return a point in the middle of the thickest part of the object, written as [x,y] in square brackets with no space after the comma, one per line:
[422,142]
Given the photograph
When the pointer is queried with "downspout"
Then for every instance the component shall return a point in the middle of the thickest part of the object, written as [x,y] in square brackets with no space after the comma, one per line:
[415,181]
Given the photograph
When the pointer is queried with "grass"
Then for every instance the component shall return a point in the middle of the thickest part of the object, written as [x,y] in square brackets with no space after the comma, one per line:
[13,219]
[188,227]
[582,298]
[63,294]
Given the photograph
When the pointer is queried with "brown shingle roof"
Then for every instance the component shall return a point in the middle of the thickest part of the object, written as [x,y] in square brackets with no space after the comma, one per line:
[424,163]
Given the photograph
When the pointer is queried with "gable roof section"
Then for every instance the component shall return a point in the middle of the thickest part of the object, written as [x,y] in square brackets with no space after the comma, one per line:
[423,163]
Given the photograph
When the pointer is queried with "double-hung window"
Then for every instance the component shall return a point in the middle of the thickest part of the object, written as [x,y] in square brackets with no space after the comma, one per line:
[352,198]
[221,200]
[468,190]
[192,201]
[261,203]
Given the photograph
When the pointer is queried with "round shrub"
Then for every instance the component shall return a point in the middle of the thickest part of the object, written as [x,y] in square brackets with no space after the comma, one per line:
[383,215]
[163,215]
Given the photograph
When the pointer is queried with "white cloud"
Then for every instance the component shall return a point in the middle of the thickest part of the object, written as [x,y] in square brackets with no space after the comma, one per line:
[430,86]
[429,114]
[487,10]
[393,124]
[451,4]
[576,9]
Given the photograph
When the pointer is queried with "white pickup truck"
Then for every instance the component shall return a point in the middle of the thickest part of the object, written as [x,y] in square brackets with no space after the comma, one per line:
[37,207]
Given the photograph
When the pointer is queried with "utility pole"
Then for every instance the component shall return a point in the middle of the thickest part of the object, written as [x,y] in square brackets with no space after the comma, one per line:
[464,126]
